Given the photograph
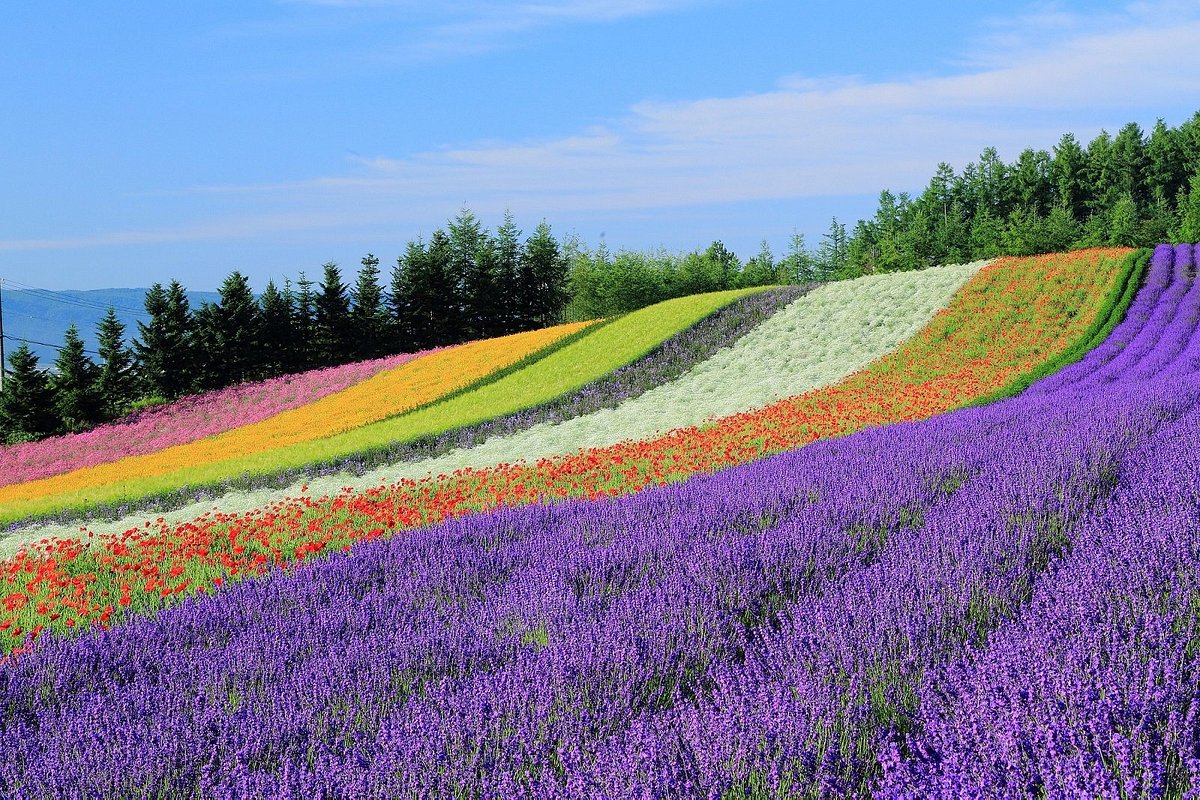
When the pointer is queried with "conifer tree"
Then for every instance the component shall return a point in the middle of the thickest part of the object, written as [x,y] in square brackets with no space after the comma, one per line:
[333,332]
[238,331]
[1068,170]
[472,262]
[399,302]
[74,384]
[164,345]
[27,409]
[541,280]
[368,319]
[305,324]
[504,273]
[277,345]
[116,382]
[443,292]
[209,371]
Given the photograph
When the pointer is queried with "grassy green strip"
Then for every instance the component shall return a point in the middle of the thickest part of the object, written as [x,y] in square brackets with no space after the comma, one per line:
[600,350]
[504,372]
[1116,305]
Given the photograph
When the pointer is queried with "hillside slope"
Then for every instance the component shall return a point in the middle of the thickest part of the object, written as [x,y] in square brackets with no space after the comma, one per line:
[994,599]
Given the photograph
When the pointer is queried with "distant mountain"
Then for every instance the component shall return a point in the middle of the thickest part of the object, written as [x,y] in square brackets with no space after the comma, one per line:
[41,317]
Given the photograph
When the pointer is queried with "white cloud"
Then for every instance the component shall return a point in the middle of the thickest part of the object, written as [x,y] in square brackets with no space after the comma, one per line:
[806,137]
[455,28]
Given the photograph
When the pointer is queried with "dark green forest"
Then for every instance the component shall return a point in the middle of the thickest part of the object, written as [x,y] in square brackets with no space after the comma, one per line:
[466,282]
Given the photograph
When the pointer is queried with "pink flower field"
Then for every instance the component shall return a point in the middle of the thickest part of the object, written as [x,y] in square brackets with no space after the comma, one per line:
[186,420]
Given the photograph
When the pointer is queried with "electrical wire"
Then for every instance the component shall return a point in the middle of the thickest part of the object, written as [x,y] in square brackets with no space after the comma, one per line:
[58,347]
[49,294]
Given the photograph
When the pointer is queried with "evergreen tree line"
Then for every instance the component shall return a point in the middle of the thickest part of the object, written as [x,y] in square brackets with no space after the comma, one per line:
[1131,189]
[465,283]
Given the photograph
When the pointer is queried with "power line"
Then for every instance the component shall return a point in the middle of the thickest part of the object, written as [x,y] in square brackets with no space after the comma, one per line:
[58,347]
[50,294]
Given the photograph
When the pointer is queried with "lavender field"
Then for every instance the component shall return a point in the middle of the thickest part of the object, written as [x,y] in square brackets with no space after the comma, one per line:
[998,602]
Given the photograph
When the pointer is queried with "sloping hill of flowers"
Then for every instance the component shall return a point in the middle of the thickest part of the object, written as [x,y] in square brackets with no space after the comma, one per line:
[64,583]
[842,327]
[836,330]
[396,405]
[995,602]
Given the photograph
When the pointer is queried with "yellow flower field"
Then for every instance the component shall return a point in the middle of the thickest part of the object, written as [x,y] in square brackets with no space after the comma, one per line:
[385,395]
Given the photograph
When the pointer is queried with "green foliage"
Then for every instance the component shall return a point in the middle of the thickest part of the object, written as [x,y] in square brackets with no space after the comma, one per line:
[77,402]
[27,408]
[277,330]
[165,346]
[334,341]
[116,382]
[368,318]
[237,333]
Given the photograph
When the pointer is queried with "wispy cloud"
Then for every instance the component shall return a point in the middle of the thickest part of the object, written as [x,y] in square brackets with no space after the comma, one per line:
[457,28]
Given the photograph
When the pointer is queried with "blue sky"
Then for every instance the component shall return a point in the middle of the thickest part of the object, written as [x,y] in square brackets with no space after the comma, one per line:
[143,141]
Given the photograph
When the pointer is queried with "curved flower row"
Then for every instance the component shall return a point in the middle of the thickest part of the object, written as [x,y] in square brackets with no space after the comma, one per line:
[996,602]
[185,420]
[1003,323]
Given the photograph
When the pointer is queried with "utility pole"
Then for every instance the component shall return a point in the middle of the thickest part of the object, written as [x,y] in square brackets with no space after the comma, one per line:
[2,362]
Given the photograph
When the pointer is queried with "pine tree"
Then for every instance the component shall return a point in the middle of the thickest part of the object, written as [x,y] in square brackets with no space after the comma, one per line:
[368,318]
[165,346]
[1068,171]
[239,330]
[76,399]
[277,330]
[27,408]
[1130,164]
[542,279]
[1188,229]
[333,333]
[305,325]
[504,271]
[761,270]
[399,302]
[1123,223]
[798,265]
[209,372]
[1101,174]
[466,235]
[832,259]
[437,302]
[116,382]
[1165,174]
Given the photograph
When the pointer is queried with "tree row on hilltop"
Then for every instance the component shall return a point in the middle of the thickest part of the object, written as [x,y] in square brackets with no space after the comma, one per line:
[1131,189]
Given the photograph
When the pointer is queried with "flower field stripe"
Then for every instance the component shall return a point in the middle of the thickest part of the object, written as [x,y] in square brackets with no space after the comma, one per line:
[389,393]
[1058,371]
[1000,601]
[828,334]
[999,325]
[182,421]
[290,441]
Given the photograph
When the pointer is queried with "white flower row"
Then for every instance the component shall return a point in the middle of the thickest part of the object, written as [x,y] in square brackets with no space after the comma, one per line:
[820,338]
